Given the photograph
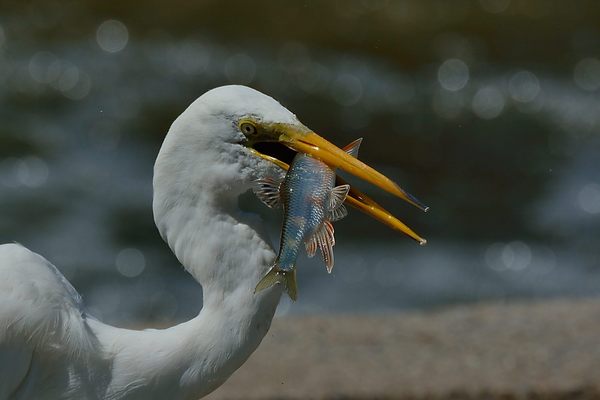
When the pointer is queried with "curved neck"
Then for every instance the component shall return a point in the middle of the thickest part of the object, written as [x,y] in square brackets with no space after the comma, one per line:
[196,211]
[221,247]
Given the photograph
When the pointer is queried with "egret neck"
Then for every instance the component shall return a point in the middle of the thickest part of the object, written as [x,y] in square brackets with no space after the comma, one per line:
[195,209]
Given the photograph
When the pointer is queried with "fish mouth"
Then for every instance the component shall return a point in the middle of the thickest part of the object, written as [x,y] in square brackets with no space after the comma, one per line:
[278,144]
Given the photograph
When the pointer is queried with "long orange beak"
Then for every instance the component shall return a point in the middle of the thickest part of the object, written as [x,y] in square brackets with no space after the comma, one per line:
[303,140]
[330,154]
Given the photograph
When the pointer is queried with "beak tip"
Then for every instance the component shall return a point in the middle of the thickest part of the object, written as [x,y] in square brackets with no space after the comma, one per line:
[422,242]
[416,202]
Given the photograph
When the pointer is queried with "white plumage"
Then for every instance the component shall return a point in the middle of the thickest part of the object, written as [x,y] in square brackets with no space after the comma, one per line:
[51,349]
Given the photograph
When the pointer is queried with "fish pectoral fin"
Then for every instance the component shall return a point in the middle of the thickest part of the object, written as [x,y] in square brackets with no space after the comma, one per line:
[352,148]
[267,191]
[311,246]
[337,196]
[325,241]
[338,213]
[276,276]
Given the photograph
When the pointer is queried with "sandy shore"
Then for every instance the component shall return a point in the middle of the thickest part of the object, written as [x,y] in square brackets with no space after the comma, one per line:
[544,350]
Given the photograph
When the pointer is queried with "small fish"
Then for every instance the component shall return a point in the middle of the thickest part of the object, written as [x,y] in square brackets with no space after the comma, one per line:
[310,203]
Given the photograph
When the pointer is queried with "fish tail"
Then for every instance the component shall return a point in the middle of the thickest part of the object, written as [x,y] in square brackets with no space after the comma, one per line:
[276,276]
[290,284]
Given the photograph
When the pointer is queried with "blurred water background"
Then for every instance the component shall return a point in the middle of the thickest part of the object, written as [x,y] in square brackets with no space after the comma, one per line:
[488,111]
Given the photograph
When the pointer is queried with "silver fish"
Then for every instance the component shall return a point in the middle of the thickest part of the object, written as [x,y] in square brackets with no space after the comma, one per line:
[310,203]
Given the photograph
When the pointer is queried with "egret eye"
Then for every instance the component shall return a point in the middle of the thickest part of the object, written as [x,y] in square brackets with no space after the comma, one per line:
[247,128]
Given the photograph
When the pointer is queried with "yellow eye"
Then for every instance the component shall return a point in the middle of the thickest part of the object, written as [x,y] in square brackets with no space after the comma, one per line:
[247,128]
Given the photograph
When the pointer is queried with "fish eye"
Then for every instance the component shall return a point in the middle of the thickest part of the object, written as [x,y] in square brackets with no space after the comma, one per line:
[247,128]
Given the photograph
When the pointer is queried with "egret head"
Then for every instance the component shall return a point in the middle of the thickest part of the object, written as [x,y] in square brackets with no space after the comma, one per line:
[232,134]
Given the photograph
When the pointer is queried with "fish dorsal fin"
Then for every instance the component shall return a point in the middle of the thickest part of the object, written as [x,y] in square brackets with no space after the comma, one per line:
[338,213]
[267,190]
[337,196]
[325,241]
[352,148]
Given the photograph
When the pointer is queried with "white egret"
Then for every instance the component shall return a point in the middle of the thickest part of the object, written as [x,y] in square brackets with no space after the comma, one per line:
[50,348]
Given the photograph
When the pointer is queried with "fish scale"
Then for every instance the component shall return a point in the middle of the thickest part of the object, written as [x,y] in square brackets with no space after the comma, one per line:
[305,193]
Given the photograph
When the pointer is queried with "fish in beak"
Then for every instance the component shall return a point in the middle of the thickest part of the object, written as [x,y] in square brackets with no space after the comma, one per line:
[301,139]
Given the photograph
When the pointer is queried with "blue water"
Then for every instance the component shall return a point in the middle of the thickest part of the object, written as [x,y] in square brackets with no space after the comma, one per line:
[505,154]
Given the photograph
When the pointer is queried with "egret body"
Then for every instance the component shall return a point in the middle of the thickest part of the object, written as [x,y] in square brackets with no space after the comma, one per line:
[50,348]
